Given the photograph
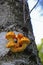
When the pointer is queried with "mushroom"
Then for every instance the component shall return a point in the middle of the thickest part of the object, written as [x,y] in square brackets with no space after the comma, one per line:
[24,40]
[10,36]
[19,49]
[20,45]
[20,35]
[23,43]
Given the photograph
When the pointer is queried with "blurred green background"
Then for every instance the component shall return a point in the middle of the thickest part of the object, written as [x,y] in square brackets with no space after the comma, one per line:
[40,49]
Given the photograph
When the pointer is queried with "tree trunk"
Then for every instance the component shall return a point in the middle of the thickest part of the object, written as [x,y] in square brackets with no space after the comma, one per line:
[12,15]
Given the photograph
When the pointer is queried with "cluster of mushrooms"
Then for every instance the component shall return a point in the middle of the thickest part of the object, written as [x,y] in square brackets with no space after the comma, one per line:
[16,43]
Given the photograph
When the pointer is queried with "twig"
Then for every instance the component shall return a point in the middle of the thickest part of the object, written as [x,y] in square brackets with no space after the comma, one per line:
[32,10]
[34,6]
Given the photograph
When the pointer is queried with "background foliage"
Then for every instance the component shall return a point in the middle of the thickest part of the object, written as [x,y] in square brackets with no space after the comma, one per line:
[40,48]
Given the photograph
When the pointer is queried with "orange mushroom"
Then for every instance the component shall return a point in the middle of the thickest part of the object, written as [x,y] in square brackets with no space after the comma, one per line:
[23,43]
[19,49]
[10,37]
[20,35]
[24,40]
[20,45]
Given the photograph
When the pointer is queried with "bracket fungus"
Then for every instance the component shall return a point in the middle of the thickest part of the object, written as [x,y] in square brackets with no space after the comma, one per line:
[10,36]
[17,43]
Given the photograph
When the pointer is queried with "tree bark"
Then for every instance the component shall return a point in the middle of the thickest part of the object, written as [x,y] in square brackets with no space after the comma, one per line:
[13,10]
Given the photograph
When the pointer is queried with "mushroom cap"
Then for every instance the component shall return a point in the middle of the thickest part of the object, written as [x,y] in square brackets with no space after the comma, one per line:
[20,36]
[10,35]
[24,40]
